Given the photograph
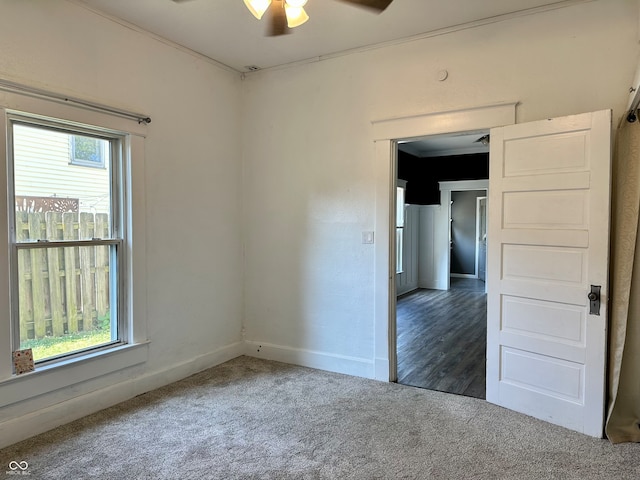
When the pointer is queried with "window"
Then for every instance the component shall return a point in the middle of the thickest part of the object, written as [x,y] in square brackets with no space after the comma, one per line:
[74,266]
[66,257]
[400,216]
[88,151]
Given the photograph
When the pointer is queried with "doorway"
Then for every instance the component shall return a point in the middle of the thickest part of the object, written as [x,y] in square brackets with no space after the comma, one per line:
[550,261]
[440,297]
[386,134]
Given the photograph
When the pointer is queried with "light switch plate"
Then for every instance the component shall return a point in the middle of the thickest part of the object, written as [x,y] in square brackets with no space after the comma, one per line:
[367,237]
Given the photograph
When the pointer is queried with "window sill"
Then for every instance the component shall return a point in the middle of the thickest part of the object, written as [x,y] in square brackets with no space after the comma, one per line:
[70,372]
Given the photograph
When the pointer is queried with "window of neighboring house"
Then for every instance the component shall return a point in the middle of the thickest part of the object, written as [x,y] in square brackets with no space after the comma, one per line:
[400,224]
[67,263]
[88,151]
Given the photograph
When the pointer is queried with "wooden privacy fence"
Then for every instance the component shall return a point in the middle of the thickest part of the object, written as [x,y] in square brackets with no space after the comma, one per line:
[62,289]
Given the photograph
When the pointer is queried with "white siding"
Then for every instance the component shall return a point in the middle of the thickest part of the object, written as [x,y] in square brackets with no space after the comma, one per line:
[43,169]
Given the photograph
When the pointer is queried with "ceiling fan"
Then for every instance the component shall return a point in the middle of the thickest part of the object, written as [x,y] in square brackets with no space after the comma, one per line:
[484,140]
[286,14]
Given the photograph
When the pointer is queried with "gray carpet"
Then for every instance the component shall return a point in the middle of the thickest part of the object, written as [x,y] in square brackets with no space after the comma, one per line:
[251,418]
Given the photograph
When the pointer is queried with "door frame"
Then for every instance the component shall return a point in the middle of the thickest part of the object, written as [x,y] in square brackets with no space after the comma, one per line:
[386,134]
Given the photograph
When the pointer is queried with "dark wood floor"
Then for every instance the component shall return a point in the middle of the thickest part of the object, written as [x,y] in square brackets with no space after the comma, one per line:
[442,337]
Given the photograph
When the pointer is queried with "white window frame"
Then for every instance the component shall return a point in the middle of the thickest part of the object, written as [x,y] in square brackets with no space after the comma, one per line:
[117,218]
[134,348]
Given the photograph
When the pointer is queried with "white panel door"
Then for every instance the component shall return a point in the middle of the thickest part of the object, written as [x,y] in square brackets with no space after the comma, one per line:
[548,243]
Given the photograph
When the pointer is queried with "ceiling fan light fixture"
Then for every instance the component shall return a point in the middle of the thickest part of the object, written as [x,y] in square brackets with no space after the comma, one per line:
[257,7]
[296,16]
[286,14]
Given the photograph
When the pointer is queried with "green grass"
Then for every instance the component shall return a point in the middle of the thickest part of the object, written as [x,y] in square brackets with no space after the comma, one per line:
[53,346]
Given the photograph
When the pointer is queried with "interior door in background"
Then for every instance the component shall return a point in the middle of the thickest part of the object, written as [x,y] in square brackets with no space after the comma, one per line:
[463,225]
[549,242]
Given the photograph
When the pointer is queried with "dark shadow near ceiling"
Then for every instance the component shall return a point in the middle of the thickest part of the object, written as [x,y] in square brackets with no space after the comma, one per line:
[423,174]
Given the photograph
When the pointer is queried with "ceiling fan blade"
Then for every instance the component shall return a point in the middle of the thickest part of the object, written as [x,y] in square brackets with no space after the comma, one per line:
[378,5]
[277,19]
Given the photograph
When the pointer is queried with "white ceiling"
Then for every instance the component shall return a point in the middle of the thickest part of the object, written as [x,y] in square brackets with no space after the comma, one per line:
[463,143]
[225,31]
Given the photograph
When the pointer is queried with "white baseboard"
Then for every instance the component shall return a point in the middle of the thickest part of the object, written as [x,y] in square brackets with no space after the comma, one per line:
[463,275]
[358,367]
[382,369]
[406,290]
[25,426]
[431,283]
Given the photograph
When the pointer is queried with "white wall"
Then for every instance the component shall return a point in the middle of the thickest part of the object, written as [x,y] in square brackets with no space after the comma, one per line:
[193,180]
[310,176]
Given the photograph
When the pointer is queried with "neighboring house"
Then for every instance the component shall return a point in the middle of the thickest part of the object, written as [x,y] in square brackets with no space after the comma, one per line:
[55,165]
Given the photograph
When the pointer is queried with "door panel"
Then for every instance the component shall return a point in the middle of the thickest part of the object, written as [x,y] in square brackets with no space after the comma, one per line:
[552,321]
[543,374]
[549,242]
[566,209]
[559,152]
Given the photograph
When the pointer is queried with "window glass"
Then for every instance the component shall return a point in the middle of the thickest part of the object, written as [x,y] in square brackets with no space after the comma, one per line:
[400,217]
[63,295]
[399,249]
[45,182]
[400,207]
[67,293]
